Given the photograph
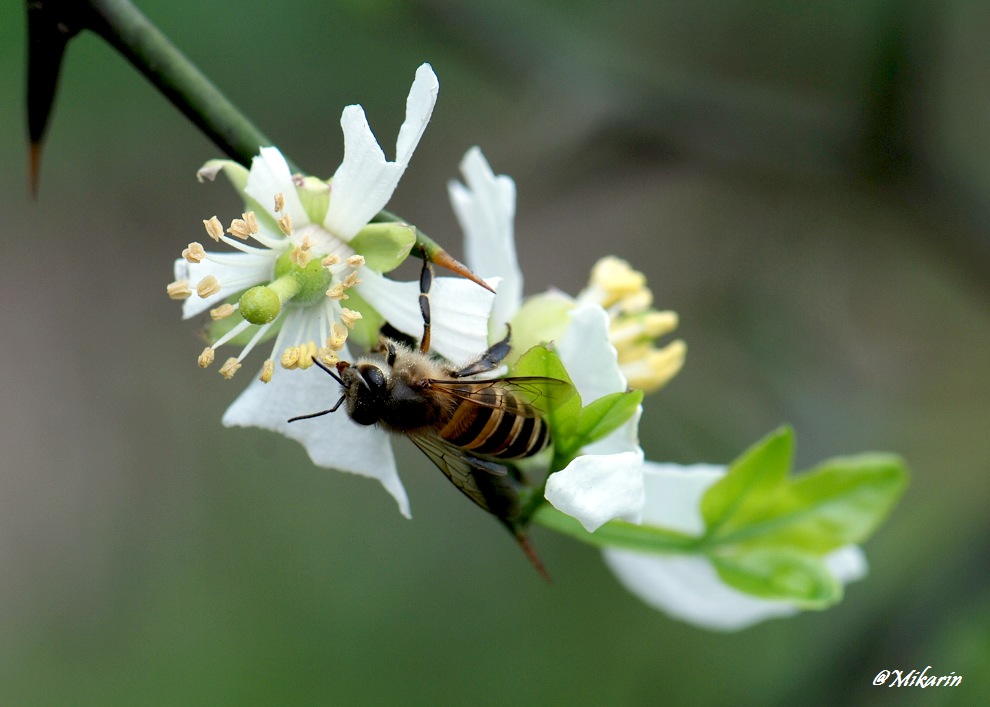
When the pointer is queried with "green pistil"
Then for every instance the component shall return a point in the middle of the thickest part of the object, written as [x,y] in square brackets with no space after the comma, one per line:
[310,282]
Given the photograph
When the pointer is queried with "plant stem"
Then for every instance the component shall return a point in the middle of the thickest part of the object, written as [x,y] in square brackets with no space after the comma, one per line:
[128,31]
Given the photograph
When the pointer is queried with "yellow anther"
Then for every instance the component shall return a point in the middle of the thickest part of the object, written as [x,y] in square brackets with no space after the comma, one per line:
[239,229]
[279,202]
[285,224]
[214,228]
[330,260]
[206,358]
[229,368]
[337,292]
[252,222]
[290,357]
[349,316]
[194,253]
[209,285]
[351,280]
[300,256]
[338,335]
[655,367]
[266,371]
[222,312]
[636,302]
[178,289]
[307,352]
[327,356]
[355,261]
[615,280]
[659,323]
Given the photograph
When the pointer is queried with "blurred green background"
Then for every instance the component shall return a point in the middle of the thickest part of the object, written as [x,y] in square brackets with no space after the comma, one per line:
[808,185]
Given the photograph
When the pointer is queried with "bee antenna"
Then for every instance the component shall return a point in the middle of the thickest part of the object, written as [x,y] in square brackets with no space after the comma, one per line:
[321,412]
[332,375]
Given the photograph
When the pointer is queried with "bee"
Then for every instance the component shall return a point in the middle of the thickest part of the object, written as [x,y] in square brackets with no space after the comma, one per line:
[471,428]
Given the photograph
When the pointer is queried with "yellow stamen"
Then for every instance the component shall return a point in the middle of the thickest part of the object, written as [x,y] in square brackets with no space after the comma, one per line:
[214,228]
[615,280]
[279,201]
[194,253]
[222,312]
[290,357]
[178,289]
[656,367]
[330,260]
[351,280]
[206,358]
[300,256]
[266,371]
[659,323]
[209,285]
[252,222]
[229,368]
[327,356]
[337,292]
[349,317]
[338,335]
[355,261]
[636,302]
[307,352]
[239,229]
[285,224]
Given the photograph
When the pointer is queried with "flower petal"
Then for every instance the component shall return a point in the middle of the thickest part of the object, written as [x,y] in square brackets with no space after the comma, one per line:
[333,440]
[235,271]
[586,353]
[365,180]
[459,309]
[270,174]
[689,589]
[598,488]
[673,495]
[485,209]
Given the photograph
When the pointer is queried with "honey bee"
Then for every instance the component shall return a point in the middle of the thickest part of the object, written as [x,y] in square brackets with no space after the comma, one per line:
[472,429]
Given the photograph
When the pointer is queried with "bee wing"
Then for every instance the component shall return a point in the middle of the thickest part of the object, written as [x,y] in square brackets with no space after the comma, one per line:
[527,395]
[489,484]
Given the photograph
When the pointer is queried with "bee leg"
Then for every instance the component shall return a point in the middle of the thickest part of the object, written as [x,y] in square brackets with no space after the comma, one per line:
[425,283]
[489,360]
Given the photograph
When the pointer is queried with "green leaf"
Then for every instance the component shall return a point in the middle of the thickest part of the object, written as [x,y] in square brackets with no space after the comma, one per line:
[563,411]
[384,245]
[841,502]
[779,574]
[541,319]
[607,414]
[750,481]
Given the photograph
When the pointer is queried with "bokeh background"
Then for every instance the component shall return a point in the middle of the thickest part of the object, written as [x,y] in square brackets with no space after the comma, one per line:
[808,185]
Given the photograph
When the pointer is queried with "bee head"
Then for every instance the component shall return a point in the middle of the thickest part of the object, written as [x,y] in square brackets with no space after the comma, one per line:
[366,390]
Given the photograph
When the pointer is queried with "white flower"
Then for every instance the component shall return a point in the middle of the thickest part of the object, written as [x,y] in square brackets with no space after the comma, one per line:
[600,485]
[687,587]
[308,275]
[604,338]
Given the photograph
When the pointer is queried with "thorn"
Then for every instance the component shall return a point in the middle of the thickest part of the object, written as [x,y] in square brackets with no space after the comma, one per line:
[34,168]
[445,260]
[50,25]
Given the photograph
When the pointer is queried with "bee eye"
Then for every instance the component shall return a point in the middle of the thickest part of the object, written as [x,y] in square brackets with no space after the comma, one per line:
[374,377]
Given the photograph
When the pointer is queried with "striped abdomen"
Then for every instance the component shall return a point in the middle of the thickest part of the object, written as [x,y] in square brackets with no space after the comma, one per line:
[498,425]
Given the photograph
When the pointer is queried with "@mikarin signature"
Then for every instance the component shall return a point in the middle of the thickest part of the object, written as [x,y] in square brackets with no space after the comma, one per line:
[916,678]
